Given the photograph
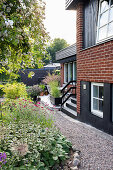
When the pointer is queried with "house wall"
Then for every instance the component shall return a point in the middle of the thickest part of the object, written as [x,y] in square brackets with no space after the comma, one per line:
[94,64]
[90,15]
[62,74]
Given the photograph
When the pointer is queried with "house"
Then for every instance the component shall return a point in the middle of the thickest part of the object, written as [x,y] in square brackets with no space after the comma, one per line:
[94,58]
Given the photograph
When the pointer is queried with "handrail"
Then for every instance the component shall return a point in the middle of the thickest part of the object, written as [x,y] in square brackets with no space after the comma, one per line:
[72,81]
[73,87]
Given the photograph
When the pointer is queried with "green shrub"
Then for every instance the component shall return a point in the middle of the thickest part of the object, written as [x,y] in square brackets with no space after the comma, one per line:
[33,91]
[28,146]
[15,90]
[42,86]
[53,84]
[1,90]
[55,92]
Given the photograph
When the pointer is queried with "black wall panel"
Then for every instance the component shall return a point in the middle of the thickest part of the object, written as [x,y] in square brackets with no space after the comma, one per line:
[90,15]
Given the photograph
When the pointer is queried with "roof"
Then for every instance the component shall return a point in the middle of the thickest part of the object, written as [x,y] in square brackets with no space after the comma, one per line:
[52,65]
[66,52]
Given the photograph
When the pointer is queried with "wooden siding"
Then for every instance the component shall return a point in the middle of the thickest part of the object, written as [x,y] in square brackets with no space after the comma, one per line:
[90,23]
[66,52]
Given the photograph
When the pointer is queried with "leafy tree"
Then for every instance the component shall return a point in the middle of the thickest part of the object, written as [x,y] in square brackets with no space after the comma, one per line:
[23,37]
[55,46]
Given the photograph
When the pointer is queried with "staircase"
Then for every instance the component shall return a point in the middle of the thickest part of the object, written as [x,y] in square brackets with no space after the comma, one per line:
[69,102]
[70,107]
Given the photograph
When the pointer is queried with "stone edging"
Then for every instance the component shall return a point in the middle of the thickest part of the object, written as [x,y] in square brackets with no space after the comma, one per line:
[76,159]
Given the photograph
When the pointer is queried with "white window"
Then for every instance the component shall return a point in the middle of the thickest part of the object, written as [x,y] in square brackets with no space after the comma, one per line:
[70,71]
[97,99]
[105,20]
[74,71]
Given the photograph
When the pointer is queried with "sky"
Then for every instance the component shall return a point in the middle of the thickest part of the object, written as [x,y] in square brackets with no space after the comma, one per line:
[60,23]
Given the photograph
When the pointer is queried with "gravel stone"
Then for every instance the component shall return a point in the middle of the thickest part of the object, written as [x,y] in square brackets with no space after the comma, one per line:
[76,162]
[76,155]
[96,146]
[74,168]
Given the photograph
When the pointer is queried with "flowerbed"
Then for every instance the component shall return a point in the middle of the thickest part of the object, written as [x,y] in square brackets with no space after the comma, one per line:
[28,137]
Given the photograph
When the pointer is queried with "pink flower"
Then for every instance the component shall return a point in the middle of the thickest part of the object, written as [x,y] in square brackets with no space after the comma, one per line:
[24,106]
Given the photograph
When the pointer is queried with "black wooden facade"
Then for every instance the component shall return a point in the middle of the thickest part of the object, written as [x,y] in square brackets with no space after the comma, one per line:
[90,20]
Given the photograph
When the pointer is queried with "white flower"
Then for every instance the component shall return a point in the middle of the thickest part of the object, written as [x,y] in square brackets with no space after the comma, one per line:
[4,6]
[8,9]
[9,23]
[11,4]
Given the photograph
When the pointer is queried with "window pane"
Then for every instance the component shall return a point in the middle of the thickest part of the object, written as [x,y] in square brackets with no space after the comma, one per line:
[104,18]
[111,14]
[74,71]
[95,104]
[101,92]
[66,73]
[104,5]
[111,2]
[102,32]
[95,91]
[110,29]
[71,71]
[101,105]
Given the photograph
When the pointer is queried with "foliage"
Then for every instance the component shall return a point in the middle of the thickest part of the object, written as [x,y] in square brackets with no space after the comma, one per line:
[29,146]
[23,109]
[15,90]
[55,92]
[22,33]
[33,90]
[42,86]
[1,90]
[55,46]
[51,78]
[31,74]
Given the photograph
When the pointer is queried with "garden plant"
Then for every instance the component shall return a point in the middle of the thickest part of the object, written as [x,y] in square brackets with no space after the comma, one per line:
[28,136]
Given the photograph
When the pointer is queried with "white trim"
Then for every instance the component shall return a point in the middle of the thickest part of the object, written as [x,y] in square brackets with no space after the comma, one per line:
[95,112]
[108,22]
[65,72]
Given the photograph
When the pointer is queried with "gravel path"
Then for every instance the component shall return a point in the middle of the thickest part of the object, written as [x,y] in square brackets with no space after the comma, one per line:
[96,146]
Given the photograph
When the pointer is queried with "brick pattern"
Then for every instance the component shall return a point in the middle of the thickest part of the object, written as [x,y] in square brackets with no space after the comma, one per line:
[94,64]
[62,74]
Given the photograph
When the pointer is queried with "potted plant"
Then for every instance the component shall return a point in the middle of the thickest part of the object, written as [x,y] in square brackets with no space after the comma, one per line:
[55,93]
[33,92]
[42,87]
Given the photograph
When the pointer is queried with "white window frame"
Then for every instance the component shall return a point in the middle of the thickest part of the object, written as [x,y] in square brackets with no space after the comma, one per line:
[95,112]
[108,22]
[74,71]
[65,72]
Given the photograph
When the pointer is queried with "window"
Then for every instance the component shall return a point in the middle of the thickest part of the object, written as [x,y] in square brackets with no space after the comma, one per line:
[97,99]
[105,20]
[65,73]
[74,71]
[70,72]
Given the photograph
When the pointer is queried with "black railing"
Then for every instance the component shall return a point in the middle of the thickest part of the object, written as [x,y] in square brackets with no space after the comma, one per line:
[64,98]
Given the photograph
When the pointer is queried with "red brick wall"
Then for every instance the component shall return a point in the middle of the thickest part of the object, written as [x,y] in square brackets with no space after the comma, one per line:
[94,64]
[62,74]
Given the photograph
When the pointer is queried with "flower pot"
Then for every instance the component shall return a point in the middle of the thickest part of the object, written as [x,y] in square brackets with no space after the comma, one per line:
[55,101]
[34,98]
